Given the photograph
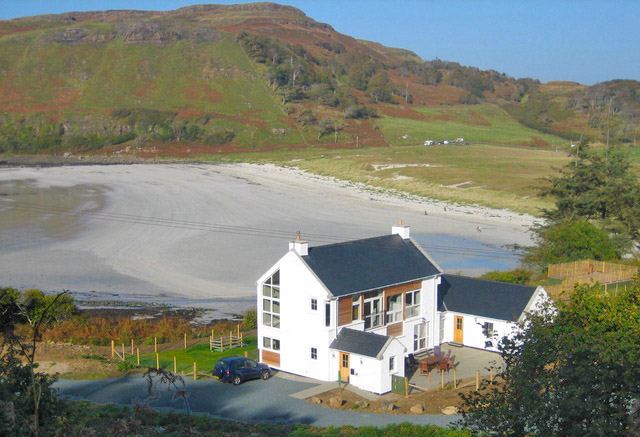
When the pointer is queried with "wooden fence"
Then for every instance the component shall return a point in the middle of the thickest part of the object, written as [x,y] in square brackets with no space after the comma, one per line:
[223,342]
[443,381]
[587,272]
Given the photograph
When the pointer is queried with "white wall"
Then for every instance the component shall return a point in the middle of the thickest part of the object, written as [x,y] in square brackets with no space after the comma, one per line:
[300,327]
[473,334]
[373,374]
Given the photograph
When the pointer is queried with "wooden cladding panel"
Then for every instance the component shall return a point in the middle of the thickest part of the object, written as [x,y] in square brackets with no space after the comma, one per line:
[395,330]
[271,358]
[416,285]
[344,310]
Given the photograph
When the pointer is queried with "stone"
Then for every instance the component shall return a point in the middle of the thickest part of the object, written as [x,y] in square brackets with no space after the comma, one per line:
[388,406]
[417,409]
[336,401]
[450,410]
[316,400]
[362,404]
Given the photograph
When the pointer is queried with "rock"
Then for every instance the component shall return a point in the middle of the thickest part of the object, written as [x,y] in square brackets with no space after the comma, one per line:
[417,409]
[315,400]
[362,404]
[336,401]
[388,406]
[450,410]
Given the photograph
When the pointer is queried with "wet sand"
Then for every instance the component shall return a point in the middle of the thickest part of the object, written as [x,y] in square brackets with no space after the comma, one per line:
[200,231]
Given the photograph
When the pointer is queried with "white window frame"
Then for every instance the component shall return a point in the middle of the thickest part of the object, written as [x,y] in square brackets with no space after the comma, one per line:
[488,332]
[420,332]
[314,353]
[394,316]
[412,310]
[274,343]
[392,363]
[271,298]
[314,304]
[356,305]
[377,317]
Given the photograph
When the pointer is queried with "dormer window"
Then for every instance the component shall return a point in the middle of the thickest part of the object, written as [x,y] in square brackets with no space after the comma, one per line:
[271,301]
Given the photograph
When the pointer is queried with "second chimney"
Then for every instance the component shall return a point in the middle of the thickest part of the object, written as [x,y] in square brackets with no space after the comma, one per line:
[402,230]
[301,247]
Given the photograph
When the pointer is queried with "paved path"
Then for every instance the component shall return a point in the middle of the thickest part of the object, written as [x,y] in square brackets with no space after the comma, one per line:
[251,401]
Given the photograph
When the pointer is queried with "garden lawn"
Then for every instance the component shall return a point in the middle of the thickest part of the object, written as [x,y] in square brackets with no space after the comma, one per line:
[198,353]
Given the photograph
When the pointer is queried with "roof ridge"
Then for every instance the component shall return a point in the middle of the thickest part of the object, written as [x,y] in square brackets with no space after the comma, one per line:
[353,241]
[489,280]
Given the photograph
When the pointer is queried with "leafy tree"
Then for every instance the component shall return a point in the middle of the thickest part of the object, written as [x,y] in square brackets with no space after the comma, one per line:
[28,391]
[379,88]
[598,187]
[571,241]
[515,276]
[569,371]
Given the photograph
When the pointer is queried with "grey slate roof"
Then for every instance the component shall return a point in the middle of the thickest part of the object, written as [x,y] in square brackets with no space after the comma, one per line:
[368,264]
[359,342]
[479,297]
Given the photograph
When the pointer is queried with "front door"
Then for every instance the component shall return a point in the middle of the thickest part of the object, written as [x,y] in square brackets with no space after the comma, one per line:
[344,367]
[457,329]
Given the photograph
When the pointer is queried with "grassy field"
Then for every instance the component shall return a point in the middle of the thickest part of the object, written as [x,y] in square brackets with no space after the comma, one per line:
[495,176]
[478,123]
[198,353]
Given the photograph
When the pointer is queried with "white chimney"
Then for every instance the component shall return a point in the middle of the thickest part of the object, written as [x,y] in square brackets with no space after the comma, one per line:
[301,247]
[402,230]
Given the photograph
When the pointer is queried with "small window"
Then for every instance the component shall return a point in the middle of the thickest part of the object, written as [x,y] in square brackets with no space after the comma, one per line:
[276,344]
[392,363]
[327,314]
[266,342]
[487,329]
[314,304]
[314,353]
[355,309]
[271,343]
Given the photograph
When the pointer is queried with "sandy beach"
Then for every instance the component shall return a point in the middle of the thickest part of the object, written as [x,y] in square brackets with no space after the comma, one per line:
[203,231]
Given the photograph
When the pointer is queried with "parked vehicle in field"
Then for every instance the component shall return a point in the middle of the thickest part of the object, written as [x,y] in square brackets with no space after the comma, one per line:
[238,369]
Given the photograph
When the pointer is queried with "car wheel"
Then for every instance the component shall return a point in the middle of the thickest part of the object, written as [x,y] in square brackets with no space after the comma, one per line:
[266,375]
[236,380]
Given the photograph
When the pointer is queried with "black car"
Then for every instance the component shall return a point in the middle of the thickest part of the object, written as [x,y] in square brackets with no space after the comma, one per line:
[238,369]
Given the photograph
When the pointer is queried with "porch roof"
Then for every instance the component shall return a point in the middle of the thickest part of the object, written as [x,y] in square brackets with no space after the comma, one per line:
[363,343]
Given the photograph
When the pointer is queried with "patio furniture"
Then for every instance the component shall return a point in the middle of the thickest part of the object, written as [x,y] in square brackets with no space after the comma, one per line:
[428,364]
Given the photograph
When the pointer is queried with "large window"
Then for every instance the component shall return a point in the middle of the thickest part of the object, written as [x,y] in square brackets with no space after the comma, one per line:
[373,314]
[271,301]
[413,303]
[394,308]
[270,343]
[419,336]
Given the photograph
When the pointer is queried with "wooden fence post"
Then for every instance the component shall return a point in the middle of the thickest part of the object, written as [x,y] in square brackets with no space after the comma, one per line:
[132,346]
[138,355]
[430,384]
[442,379]
[175,365]
[477,380]
[122,351]
[195,371]
[246,354]
[185,340]
[406,386]
[238,330]
[491,375]
[157,361]
[155,344]
[113,349]
[455,378]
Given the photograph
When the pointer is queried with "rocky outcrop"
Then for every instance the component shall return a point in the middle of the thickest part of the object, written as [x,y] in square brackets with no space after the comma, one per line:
[131,32]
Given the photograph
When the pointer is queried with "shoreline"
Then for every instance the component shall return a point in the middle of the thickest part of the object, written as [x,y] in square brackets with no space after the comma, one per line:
[209,230]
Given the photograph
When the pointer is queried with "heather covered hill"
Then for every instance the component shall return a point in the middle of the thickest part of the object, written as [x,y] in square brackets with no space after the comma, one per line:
[216,78]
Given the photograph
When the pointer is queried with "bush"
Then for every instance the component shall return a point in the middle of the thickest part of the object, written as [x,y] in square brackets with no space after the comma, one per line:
[219,138]
[515,276]
[359,111]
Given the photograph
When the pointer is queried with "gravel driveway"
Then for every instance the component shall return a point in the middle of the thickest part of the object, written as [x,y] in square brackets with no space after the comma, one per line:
[251,401]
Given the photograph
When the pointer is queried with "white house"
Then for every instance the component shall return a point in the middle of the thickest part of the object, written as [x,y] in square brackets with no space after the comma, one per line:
[353,311]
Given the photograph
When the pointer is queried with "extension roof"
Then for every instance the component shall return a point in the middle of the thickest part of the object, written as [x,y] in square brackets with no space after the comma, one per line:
[369,264]
[363,343]
[496,300]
